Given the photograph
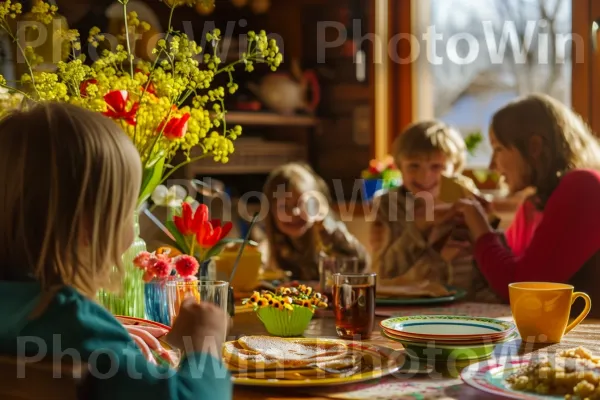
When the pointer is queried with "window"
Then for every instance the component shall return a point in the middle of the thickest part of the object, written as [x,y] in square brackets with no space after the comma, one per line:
[487,52]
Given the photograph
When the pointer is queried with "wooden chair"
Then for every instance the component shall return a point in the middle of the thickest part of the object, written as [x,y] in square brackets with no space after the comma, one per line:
[22,380]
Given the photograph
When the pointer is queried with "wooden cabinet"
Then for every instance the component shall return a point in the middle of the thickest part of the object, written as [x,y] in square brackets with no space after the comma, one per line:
[267,141]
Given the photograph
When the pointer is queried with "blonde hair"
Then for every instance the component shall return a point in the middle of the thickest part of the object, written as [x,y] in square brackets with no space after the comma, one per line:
[300,178]
[297,177]
[568,143]
[71,180]
[428,137]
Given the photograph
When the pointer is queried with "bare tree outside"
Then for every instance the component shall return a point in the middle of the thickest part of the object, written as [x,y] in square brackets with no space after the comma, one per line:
[494,50]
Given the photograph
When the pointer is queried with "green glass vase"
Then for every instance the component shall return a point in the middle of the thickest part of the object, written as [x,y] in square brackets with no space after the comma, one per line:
[130,300]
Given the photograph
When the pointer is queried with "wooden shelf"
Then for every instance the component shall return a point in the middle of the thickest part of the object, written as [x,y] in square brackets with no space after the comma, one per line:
[251,156]
[262,118]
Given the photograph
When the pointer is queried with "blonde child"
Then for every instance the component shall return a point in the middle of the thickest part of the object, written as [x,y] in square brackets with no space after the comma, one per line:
[410,233]
[301,225]
[70,183]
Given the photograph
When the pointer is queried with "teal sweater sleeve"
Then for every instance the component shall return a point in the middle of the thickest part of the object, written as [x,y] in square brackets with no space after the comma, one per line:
[200,376]
[73,324]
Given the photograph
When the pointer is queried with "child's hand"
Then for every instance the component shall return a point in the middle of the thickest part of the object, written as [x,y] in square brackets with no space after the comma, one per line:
[454,249]
[474,215]
[199,327]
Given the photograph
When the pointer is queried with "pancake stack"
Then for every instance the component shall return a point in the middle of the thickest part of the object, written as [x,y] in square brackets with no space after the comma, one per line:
[278,358]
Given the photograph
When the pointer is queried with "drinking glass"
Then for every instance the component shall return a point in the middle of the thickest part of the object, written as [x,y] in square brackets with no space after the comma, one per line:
[156,304]
[216,292]
[354,305]
[330,265]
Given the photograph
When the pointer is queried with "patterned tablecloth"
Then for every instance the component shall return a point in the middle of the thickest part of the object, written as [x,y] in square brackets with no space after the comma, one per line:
[396,389]
[427,384]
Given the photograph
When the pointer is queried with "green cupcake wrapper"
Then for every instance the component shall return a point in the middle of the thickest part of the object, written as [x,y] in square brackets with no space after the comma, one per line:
[285,323]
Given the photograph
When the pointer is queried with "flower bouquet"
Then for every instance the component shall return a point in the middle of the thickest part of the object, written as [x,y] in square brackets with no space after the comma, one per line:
[158,268]
[196,239]
[288,311]
[168,106]
[380,175]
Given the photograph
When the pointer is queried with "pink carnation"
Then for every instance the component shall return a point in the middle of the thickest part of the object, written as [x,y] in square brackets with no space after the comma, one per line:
[186,266]
[162,269]
[142,260]
[148,276]
[163,257]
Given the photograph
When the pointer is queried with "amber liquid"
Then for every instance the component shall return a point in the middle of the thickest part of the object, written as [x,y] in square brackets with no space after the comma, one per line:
[354,309]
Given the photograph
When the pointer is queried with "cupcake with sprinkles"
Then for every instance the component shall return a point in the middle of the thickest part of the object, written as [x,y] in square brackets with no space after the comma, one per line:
[287,311]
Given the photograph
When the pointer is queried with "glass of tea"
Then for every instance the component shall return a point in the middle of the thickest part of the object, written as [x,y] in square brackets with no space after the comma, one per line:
[354,305]
[330,265]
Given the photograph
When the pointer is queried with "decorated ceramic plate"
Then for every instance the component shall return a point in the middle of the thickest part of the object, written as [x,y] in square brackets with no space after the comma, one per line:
[469,352]
[453,327]
[151,343]
[377,361]
[448,342]
[143,322]
[490,376]
[406,301]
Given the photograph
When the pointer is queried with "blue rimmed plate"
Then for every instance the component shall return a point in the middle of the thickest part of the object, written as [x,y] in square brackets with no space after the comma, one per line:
[413,301]
[448,327]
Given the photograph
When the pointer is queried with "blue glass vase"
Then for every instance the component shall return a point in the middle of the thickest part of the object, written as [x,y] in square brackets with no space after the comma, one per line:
[155,298]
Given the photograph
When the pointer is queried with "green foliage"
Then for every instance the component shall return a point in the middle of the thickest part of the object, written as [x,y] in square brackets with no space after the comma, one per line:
[472,141]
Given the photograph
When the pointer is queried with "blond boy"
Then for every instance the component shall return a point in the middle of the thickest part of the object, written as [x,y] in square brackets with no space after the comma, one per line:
[410,235]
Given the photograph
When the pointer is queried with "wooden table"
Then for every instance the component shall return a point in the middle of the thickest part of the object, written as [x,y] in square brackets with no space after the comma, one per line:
[587,334]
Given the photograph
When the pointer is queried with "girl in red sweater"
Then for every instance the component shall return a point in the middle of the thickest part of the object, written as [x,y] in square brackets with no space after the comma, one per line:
[555,236]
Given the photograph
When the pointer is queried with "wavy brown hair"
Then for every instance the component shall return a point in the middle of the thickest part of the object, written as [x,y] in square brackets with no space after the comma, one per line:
[568,143]
[71,180]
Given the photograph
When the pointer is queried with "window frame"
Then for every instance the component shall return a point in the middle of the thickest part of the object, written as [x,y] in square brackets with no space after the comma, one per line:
[402,104]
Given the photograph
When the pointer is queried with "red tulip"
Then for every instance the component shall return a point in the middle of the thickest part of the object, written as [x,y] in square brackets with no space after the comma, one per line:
[117,103]
[207,232]
[175,128]
[191,221]
[212,232]
[151,88]
[84,85]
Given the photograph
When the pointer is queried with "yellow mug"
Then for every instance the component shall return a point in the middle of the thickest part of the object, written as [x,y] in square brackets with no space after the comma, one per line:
[541,310]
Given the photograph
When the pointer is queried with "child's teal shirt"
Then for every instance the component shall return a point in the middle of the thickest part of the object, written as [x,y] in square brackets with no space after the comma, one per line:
[73,325]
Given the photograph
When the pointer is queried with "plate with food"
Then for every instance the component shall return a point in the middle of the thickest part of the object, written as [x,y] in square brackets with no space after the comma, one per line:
[569,374]
[150,338]
[281,362]
[424,293]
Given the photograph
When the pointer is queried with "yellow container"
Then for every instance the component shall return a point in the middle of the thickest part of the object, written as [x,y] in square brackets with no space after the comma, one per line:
[247,275]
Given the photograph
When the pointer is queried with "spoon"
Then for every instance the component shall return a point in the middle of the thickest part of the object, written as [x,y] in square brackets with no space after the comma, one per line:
[246,239]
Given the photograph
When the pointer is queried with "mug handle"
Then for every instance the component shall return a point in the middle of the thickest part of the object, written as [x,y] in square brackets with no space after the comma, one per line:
[584,313]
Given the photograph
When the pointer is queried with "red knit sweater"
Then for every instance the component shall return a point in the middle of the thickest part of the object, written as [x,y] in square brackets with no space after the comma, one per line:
[548,247]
